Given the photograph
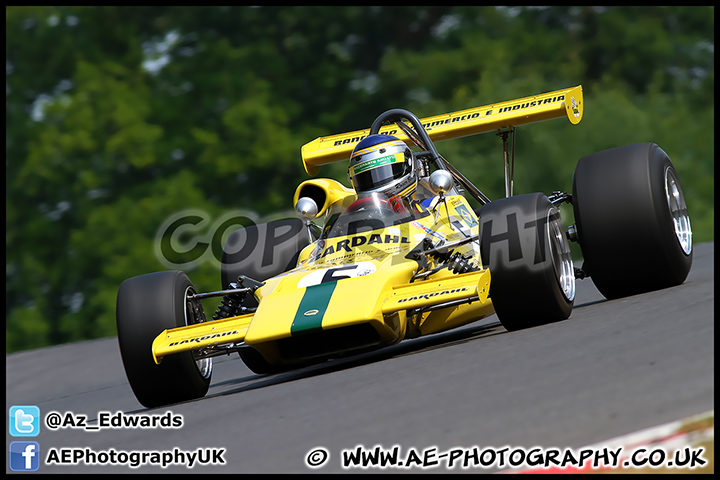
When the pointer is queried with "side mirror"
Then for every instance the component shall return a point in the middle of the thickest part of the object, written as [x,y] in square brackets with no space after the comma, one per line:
[441,182]
[306,209]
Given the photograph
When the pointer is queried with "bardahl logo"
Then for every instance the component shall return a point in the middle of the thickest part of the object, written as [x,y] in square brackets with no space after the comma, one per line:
[204,337]
[312,312]
[428,296]
[348,244]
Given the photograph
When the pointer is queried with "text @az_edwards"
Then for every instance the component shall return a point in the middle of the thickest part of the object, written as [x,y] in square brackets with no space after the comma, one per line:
[117,420]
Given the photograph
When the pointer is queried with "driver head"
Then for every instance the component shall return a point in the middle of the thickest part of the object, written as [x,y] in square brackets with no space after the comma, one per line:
[384,164]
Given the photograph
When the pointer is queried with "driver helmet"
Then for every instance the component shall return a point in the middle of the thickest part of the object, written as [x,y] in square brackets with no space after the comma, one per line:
[383,164]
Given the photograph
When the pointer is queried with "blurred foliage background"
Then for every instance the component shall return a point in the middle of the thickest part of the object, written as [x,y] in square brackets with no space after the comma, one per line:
[119,117]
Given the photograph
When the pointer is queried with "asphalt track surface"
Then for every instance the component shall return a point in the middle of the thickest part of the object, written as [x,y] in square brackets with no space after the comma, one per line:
[613,368]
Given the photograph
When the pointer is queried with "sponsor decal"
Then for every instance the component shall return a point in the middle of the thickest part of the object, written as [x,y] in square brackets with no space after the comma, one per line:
[428,296]
[428,231]
[351,242]
[466,216]
[521,106]
[357,139]
[437,123]
[203,338]
[575,107]
[377,162]
[468,116]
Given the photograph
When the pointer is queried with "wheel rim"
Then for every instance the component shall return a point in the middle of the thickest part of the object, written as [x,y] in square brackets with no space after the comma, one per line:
[194,314]
[561,255]
[678,210]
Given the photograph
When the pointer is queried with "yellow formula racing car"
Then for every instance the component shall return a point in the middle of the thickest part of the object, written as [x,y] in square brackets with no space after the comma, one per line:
[403,253]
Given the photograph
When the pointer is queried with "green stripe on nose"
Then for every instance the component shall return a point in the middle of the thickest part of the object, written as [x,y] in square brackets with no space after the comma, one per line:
[312,308]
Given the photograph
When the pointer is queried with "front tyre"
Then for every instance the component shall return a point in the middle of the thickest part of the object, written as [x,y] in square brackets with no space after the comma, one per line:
[632,220]
[147,305]
[523,242]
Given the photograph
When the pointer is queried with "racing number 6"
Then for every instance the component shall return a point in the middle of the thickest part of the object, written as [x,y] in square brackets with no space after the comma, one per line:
[330,274]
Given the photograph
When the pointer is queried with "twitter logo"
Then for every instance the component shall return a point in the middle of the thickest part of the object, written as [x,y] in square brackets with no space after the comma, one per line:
[24,421]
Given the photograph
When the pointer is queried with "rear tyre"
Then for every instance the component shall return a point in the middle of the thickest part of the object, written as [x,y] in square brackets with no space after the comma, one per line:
[147,305]
[523,242]
[632,220]
[262,251]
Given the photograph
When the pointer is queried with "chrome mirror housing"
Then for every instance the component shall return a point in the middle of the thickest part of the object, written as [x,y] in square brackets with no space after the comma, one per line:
[441,182]
[306,209]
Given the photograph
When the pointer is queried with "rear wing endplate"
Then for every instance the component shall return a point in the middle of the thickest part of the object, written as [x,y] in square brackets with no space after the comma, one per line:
[490,118]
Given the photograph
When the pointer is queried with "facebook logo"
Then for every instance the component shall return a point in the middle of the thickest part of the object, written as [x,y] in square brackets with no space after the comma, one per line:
[24,421]
[24,456]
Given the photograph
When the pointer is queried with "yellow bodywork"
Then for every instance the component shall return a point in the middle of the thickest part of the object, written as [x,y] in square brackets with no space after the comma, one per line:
[364,279]
[357,291]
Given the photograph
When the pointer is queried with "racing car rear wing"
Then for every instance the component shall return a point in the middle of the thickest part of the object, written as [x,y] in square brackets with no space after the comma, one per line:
[495,117]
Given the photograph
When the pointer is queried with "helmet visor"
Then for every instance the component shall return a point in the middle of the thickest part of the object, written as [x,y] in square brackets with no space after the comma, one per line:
[377,172]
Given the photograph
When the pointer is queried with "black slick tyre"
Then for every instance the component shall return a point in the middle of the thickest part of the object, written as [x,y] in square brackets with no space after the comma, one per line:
[147,305]
[632,220]
[262,251]
[523,243]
